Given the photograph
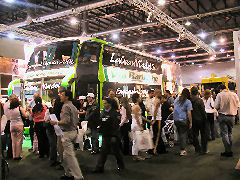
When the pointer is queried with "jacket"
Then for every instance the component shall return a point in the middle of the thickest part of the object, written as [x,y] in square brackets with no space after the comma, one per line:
[93,115]
[110,121]
[198,112]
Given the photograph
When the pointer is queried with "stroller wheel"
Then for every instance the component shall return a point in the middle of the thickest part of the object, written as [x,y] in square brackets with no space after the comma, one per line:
[171,144]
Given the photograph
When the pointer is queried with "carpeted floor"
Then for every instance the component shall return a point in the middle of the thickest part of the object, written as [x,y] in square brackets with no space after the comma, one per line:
[164,167]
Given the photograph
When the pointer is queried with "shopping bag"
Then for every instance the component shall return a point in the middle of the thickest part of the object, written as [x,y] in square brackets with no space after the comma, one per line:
[238,165]
[79,138]
[84,125]
[144,141]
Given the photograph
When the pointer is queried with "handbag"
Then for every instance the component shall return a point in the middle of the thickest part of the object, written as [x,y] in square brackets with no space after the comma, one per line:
[23,118]
[143,140]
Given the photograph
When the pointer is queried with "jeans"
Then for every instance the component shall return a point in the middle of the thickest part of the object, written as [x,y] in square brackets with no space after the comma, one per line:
[108,144]
[94,139]
[200,126]
[182,128]
[226,124]
[70,162]
[210,126]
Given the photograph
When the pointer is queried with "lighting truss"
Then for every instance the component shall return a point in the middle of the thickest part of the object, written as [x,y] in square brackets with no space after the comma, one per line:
[25,33]
[163,18]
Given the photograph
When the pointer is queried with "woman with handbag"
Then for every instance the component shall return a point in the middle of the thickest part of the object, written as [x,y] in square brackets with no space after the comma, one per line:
[16,127]
[38,114]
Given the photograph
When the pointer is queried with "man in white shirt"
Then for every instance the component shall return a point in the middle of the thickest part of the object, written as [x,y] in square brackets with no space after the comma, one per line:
[227,104]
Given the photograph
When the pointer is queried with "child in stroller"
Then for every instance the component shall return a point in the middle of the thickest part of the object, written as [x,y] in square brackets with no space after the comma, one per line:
[168,131]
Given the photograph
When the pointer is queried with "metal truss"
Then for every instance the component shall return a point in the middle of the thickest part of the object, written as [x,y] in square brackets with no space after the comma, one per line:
[68,12]
[163,18]
[25,33]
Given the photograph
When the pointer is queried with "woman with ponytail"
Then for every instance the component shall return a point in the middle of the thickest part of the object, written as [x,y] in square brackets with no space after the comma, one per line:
[38,114]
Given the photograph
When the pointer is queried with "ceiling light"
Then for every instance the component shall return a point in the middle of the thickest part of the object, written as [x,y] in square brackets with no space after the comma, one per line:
[115,36]
[173,56]
[192,63]
[200,66]
[222,50]
[232,59]
[228,55]
[212,58]
[213,44]
[159,51]
[73,21]
[9,1]
[203,35]
[188,23]
[161,2]
[222,40]
[140,44]
[11,35]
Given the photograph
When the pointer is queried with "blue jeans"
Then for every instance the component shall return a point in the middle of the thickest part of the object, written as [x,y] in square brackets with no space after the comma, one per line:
[226,124]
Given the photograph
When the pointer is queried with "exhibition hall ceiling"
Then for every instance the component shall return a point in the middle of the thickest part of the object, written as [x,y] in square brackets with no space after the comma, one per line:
[122,22]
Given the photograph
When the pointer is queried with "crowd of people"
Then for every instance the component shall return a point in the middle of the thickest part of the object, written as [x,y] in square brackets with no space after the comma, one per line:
[193,113]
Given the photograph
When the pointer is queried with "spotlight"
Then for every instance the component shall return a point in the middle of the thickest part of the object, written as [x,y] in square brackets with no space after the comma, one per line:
[159,51]
[11,35]
[212,58]
[228,55]
[232,59]
[140,44]
[178,39]
[222,50]
[173,56]
[213,44]
[188,23]
[9,1]
[203,35]
[161,2]
[222,40]
[192,63]
[73,21]
[200,66]
[115,36]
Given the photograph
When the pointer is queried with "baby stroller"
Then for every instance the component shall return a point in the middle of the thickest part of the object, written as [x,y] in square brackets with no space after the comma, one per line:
[168,131]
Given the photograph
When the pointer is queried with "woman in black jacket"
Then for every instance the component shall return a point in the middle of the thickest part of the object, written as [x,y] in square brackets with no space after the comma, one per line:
[110,130]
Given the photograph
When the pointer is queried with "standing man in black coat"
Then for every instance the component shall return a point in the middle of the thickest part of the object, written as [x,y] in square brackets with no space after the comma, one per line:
[93,118]
[110,130]
[199,122]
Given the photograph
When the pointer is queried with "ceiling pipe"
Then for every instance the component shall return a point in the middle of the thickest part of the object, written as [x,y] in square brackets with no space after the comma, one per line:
[68,12]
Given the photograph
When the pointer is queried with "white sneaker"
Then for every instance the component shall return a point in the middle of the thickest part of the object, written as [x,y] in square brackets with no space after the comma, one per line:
[183,153]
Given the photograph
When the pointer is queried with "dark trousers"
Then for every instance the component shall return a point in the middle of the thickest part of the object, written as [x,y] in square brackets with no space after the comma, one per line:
[182,128]
[52,138]
[43,145]
[157,131]
[125,138]
[108,144]
[200,126]
[94,139]
[226,124]
[210,126]
[31,131]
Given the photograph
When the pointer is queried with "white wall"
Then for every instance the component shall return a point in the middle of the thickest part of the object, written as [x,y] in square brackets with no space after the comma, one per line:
[194,73]
[11,48]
